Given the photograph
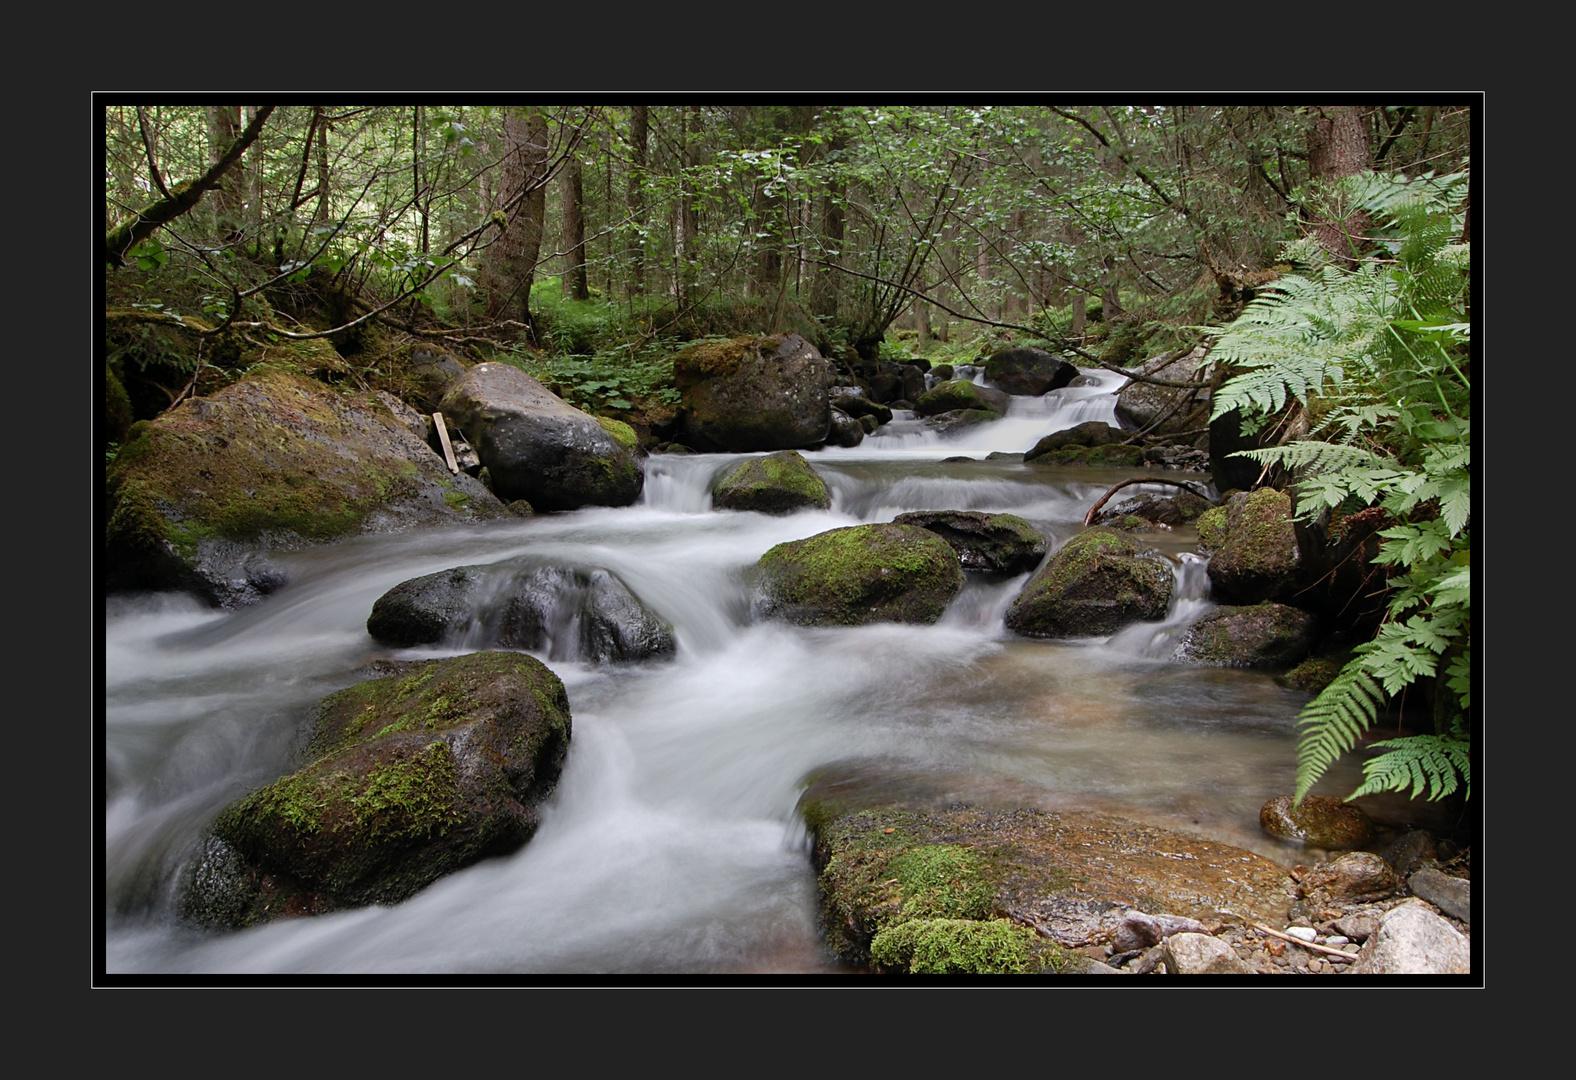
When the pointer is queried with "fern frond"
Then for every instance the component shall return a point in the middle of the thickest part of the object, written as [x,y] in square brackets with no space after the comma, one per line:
[1332,723]
[1438,763]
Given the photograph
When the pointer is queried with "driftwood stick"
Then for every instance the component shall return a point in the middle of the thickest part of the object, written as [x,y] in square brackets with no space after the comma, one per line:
[1305,944]
[1095,509]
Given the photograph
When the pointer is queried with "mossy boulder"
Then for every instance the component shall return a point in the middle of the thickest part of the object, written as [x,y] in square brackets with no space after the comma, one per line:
[960,394]
[1183,508]
[536,446]
[778,483]
[273,461]
[1028,371]
[752,393]
[1315,673]
[859,574]
[1098,582]
[1318,821]
[569,613]
[1252,546]
[997,543]
[921,885]
[1263,635]
[408,777]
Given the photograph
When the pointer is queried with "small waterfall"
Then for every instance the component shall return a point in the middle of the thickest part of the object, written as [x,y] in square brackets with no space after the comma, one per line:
[1189,601]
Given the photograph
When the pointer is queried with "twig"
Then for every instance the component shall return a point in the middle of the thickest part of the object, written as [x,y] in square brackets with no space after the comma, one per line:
[1089,517]
[1305,944]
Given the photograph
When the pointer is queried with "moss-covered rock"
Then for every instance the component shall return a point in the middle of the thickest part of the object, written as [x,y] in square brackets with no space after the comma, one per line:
[1315,673]
[778,483]
[1098,582]
[1090,433]
[1252,547]
[860,574]
[752,393]
[409,777]
[998,543]
[960,394]
[942,886]
[273,461]
[1183,508]
[538,447]
[622,433]
[1258,636]
[1114,456]
[569,613]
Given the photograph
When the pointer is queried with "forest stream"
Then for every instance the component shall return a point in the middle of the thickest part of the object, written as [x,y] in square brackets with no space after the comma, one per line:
[672,845]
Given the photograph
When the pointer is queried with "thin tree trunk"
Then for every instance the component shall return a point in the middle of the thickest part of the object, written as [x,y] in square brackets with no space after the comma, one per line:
[637,199]
[510,265]
[574,284]
[224,124]
[1337,147]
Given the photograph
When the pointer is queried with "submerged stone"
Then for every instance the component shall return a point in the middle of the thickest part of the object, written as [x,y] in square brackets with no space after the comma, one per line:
[1319,821]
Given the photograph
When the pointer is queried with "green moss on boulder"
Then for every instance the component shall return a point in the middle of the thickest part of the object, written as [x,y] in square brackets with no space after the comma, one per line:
[860,574]
[779,483]
[1256,636]
[1098,582]
[1253,551]
[752,393]
[960,394]
[410,777]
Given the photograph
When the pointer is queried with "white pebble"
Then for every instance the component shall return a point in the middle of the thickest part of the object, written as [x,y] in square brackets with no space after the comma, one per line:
[1336,939]
[1302,933]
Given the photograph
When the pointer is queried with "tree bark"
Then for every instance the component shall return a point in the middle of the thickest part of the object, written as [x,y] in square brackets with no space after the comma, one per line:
[510,265]
[1337,147]
[572,192]
[636,283]
[224,125]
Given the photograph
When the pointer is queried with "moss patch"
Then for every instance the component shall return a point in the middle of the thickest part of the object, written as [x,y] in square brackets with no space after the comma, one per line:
[966,947]
[708,359]
[622,433]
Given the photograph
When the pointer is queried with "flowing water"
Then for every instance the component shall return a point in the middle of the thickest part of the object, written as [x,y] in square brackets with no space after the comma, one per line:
[671,845]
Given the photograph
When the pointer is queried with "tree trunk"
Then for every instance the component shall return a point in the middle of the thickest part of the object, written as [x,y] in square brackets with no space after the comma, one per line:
[224,124]
[636,283]
[1337,147]
[575,286]
[688,223]
[922,321]
[509,267]
[1080,312]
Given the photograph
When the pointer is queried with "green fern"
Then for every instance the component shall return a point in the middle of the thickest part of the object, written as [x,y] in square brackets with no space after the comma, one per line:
[1438,764]
[1376,354]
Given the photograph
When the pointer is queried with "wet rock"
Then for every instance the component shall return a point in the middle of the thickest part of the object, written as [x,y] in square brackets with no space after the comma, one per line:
[956,420]
[778,483]
[1252,547]
[538,447]
[845,431]
[1029,372]
[960,394]
[1449,894]
[998,543]
[1139,930]
[1098,582]
[1201,954]
[859,574]
[570,613]
[753,393]
[410,777]
[1181,509]
[1411,851]
[1319,821]
[1355,877]
[1089,433]
[1260,636]
[1412,940]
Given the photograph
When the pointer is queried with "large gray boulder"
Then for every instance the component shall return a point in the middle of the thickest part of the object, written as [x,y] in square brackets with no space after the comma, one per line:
[1413,940]
[275,461]
[1028,371]
[1098,582]
[1167,410]
[753,393]
[538,447]
[569,613]
[859,574]
[407,778]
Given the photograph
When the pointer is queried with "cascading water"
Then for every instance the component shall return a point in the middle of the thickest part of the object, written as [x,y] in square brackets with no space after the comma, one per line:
[671,845]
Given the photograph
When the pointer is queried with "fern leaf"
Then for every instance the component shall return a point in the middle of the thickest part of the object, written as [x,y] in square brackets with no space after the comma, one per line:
[1332,723]
[1436,762]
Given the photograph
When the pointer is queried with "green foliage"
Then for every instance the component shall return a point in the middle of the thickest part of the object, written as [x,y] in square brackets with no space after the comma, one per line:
[1377,355]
